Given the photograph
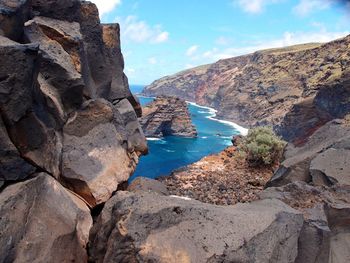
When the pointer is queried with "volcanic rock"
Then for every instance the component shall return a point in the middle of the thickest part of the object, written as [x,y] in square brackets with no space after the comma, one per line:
[147,227]
[50,85]
[323,160]
[147,185]
[94,160]
[167,116]
[12,166]
[40,221]
[13,14]
[28,125]
[135,136]
[60,46]
[325,234]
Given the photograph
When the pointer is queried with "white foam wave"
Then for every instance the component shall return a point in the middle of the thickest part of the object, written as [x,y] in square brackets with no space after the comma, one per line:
[153,139]
[243,131]
[145,97]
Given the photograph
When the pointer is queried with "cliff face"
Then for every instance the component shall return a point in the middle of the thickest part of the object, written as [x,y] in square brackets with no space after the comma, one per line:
[167,116]
[69,132]
[264,87]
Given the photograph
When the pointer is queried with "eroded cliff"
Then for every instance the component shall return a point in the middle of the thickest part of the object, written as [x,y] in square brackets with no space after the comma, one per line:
[167,116]
[295,89]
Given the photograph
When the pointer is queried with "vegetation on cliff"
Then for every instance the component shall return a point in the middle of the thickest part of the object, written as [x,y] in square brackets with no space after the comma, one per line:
[262,147]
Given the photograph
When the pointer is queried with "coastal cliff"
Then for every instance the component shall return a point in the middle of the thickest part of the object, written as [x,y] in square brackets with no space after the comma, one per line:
[167,116]
[286,88]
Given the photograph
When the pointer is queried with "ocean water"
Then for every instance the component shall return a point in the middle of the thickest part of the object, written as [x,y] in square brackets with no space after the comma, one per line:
[172,152]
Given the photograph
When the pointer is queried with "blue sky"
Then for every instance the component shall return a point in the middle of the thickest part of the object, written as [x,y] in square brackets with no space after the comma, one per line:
[162,37]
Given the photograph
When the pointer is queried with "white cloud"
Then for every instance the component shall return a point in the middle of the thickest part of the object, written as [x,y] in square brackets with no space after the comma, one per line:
[305,7]
[254,6]
[105,7]
[135,30]
[288,39]
[162,37]
[152,61]
[192,50]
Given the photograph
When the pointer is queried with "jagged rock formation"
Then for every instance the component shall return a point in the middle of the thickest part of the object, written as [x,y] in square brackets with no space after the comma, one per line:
[41,221]
[167,116]
[326,215]
[323,160]
[296,89]
[69,134]
[146,227]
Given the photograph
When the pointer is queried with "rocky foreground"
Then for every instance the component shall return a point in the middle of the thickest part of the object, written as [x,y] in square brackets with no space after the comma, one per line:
[70,139]
[167,116]
[69,131]
[295,89]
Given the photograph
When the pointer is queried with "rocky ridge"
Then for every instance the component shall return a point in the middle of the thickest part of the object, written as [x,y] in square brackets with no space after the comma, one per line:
[69,130]
[295,89]
[167,116]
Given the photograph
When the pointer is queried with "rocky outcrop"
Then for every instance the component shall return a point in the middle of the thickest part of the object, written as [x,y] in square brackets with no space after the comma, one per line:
[143,184]
[323,160]
[95,169]
[145,227]
[64,112]
[296,89]
[167,116]
[13,14]
[69,133]
[325,234]
[43,222]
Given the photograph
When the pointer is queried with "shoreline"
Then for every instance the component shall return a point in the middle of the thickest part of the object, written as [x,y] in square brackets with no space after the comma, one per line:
[243,131]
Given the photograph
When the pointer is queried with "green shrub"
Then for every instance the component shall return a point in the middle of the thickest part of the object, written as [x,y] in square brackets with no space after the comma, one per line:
[262,147]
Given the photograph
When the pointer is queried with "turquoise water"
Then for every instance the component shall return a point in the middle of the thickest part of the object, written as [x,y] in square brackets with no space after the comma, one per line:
[171,152]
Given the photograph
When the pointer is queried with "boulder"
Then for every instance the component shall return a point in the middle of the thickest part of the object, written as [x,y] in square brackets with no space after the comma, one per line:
[147,227]
[331,166]
[325,235]
[58,9]
[25,117]
[97,60]
[119,85]
[95,159]
[13,14]
[18,73]
[323,159]
[40,221]
[12,166]
[60,48]
[144,184]
[339,217]
[136,138]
